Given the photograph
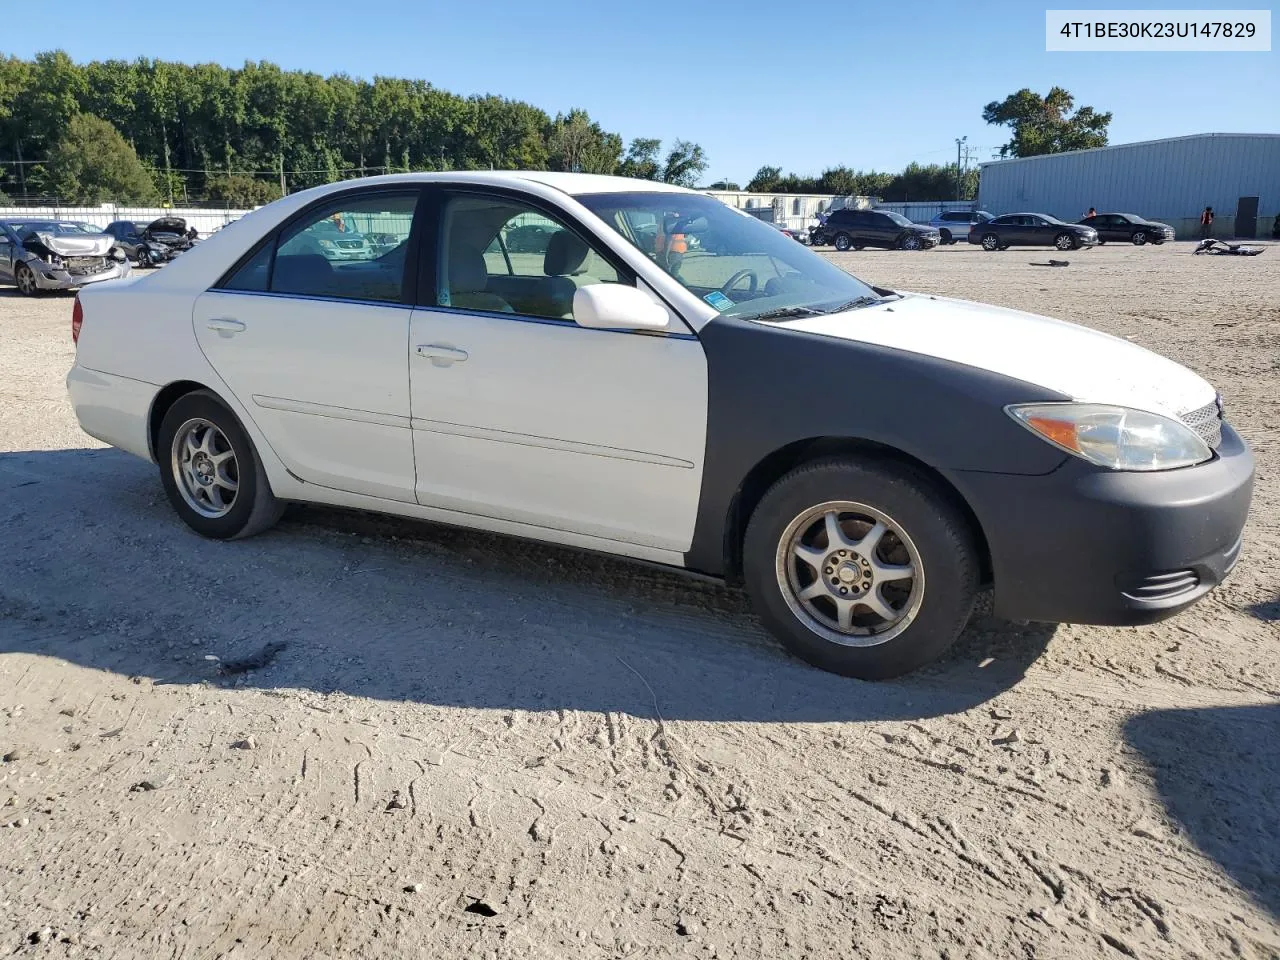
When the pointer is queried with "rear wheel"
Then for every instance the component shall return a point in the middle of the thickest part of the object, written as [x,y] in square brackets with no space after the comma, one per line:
[211,471]
[990,242]
[842,242]
[1065,241]
[1139,238]
[863,569]
[25,278]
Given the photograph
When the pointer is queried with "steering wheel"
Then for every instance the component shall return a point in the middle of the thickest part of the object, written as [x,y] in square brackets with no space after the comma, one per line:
[733,281]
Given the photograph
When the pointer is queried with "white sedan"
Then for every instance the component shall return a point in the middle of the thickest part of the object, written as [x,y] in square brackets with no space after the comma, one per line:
[665,378]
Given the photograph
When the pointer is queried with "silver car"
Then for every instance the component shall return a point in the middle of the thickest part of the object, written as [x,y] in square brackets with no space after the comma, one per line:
[954,224]
[38,255]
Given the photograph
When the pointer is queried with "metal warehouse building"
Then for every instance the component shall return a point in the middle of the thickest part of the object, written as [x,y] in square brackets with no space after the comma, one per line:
[1238,174]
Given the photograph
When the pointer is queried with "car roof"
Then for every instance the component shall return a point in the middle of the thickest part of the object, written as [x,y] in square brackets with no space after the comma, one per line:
[574,184]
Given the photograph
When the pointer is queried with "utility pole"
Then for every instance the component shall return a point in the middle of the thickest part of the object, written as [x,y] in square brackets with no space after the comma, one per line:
[960,142]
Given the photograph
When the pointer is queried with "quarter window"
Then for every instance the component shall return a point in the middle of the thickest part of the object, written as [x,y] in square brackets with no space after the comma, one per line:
[503,256]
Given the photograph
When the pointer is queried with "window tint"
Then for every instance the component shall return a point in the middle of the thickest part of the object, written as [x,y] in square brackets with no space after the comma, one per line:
[500,255]
[1005,221]
[255,274]
[351,249]
[956,216]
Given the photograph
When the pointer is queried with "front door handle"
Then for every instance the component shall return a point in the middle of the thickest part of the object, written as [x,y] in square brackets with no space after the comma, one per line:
[225,326]
[441,354]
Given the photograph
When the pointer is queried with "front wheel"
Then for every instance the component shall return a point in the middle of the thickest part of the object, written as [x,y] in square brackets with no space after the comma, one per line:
[211,472]
[25,279]
[1065,241]
[910,242]
[1139,238]
[990,242]
[863,569]
[842,242]
[946,236]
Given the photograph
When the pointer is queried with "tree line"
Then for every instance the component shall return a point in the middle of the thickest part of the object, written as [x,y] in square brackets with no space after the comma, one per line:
[237,136]
[147,131]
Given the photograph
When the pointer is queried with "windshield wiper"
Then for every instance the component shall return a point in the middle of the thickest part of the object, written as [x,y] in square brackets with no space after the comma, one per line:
[786,312]
[856,302]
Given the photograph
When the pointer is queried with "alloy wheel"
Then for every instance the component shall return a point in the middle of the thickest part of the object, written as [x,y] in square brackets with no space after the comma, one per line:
[205,468]
[850,573]
[1139,238]
[990,242]
[1063,242]
[26,280]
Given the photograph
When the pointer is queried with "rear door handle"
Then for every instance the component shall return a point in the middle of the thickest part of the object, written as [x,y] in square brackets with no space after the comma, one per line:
[440,354]
[226,327]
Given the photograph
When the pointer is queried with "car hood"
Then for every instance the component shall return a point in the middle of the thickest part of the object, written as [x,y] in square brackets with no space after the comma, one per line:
[84,245]
[167,225]
[922,228]
[1066,358]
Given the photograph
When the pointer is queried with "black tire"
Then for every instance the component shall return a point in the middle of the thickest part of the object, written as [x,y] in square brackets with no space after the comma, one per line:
[991,242]
[946,236]
[842,242]
[1101,242]
[859,246]
[1139,238]
[938,530]
[911,242]
[1066,241]
[254,508]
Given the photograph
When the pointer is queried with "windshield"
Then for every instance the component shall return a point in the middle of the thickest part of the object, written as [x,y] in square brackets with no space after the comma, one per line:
[983,215]
[738,264]
[57,227]
[897,218]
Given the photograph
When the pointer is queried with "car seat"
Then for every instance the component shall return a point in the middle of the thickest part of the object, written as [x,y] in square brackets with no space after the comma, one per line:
[564,261]
[468,278]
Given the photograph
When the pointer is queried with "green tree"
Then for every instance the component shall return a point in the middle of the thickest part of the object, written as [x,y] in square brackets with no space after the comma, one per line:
[765,180]
[239,190]
[578,144]
[92,163]
[685,163]
[1048,124]
[641,160]
[725,185]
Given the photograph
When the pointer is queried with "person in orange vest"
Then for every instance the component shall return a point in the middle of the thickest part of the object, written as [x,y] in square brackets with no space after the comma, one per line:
[669,250]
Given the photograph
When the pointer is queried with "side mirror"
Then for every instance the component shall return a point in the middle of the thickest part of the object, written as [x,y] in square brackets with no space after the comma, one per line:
[614,306]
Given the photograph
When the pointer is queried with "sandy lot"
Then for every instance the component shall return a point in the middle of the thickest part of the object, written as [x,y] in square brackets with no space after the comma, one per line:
[416,741]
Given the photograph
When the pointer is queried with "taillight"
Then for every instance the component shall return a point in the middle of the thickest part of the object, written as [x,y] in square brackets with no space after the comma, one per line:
[77,318]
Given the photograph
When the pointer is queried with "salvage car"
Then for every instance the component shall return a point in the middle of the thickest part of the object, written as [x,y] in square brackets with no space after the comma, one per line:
[38,255]
[1128,228]
[864,460]
[144,247]
[1031,230]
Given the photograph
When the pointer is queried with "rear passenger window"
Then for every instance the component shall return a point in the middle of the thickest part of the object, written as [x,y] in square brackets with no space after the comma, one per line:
[502,256]
[255,274]
[351,249]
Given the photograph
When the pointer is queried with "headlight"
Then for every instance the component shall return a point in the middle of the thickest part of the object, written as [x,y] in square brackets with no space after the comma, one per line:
[1114,437]
[327,244]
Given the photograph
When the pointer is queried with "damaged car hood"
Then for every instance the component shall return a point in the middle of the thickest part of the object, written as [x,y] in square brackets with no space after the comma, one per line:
[87,245]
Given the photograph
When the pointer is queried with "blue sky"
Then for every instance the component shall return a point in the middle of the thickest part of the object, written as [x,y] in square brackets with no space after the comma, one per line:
[802,85]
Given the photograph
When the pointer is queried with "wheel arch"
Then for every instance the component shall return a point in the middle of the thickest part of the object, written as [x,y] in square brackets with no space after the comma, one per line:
[164,399]
[782,461]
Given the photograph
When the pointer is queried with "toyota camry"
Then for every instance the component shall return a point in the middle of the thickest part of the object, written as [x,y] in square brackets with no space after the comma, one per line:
[665,378]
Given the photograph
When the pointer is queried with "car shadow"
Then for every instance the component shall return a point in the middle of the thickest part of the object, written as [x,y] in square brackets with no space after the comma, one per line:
[1217,770]
[100,572]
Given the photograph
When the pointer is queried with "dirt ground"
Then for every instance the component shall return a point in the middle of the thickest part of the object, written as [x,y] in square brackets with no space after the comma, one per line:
[354,737]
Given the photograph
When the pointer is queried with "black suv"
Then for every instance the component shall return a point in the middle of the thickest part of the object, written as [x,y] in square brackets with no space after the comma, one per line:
[855,229]
[1031,230]
[1128,228]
